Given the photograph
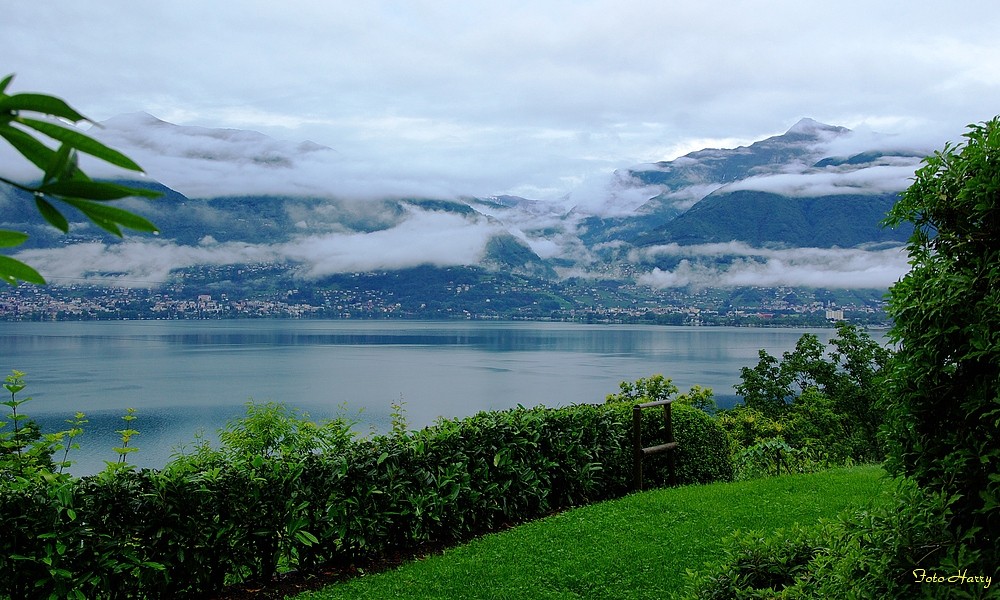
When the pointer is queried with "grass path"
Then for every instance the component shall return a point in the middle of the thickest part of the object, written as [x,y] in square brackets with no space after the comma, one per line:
[635,547]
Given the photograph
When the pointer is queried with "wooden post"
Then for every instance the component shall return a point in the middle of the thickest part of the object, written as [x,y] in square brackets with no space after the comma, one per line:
[637,447]
[639,452]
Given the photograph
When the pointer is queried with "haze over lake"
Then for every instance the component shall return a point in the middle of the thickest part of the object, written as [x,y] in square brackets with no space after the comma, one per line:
[186,376]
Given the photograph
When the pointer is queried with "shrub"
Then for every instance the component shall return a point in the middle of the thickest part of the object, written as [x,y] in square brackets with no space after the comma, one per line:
[748,426]
[877,552]
[704,451]
[944,404]
[755,565]
[283,493]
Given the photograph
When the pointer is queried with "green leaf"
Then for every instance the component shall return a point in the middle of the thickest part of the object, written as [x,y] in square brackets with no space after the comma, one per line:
[41,103]
[51,214]
[12,271]
[306,538]
[36,152]
[106,225]
[9,239]
[92,190]
[6,81]
[109,217]
[81,142]
[62,165]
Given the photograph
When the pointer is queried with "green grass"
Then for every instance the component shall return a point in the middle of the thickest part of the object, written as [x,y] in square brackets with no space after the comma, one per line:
[635,547]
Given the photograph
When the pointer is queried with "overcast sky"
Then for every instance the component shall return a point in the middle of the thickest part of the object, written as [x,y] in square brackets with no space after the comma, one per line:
[530,98]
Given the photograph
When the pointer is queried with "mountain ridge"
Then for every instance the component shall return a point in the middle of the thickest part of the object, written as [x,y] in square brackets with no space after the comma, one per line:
[815,185]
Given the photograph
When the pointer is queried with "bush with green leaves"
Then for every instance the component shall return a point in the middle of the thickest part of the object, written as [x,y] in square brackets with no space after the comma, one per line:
[656,388]
[704,450]
[55,547]
[944,389]
[879,551]
[776,457]
[808,437]
[283,493]
[758,565]
[748,426]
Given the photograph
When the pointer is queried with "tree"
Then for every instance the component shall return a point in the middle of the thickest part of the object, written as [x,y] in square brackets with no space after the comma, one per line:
[765,388]
[845,381]
[22,118]
[944,387]
[652,389]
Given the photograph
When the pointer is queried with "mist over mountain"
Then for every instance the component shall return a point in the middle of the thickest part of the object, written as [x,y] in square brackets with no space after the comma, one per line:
[798,209]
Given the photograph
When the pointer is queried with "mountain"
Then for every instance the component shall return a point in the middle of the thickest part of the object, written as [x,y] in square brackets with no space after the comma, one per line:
[785,190]
[760,218]
[712,217]
[801,143]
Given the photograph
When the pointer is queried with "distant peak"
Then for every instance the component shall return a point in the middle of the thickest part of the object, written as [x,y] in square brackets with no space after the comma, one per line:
[812,127]
[133,119]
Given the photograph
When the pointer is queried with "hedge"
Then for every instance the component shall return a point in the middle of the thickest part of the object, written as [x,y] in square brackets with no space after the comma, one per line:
[214,518]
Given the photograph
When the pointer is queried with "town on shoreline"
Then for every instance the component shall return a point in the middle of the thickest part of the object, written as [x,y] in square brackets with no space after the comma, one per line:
[461,294]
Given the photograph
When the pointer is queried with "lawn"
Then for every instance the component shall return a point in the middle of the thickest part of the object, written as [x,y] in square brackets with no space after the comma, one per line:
[635,547]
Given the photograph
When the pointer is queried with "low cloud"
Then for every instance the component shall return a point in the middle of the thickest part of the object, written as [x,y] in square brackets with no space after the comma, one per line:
[906,138]
[879,179]
[609,195]
[690,195]
[440,239]
[425,238]
[136,263]
[738,265]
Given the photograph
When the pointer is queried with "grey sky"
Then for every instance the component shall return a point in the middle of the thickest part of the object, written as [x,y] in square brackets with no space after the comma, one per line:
[531,98]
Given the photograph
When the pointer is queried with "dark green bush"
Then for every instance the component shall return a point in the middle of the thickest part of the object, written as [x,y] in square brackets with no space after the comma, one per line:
[300,495]
[759,566]
[32,520]
[944,402]
[880,551]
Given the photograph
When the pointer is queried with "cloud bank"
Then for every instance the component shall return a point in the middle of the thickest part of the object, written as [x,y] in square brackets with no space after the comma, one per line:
[746,266]
[810,183]
[424,238]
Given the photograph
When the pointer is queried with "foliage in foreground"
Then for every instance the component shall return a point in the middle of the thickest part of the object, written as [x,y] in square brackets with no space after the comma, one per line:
[31,121]
[899,549]
[945,385]
[283,493]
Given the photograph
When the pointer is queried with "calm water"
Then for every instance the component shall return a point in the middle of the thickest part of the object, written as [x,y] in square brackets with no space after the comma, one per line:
[189,376]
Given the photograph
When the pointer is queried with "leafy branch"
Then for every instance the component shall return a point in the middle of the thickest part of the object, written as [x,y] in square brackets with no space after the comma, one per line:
[26,119]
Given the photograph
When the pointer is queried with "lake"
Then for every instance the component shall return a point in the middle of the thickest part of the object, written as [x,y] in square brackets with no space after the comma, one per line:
[189,376]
